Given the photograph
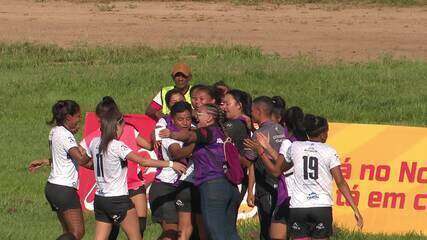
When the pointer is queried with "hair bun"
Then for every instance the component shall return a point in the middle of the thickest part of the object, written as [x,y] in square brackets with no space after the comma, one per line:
[60,103]
[107,99]
[278,101]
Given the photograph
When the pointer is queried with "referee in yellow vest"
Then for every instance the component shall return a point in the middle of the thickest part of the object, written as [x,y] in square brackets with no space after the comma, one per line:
[181,75]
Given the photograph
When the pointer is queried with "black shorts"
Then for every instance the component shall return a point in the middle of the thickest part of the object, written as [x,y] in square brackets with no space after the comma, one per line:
[112,209]
[61,198]
[188,198]
[281,213]
[139,190]
[162,199]
[311,222]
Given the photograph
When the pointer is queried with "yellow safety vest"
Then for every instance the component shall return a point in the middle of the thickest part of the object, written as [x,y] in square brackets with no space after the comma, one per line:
[165,109]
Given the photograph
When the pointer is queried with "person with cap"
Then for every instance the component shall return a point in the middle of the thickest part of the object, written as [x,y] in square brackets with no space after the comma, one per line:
[181,75]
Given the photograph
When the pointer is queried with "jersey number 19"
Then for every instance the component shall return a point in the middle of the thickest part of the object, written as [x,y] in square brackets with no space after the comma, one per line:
[311,168]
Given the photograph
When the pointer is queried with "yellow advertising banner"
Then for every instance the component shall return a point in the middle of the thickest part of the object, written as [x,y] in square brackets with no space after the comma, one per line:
[386,168]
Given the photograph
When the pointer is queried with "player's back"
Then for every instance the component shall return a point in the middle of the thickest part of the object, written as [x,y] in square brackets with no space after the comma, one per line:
[110,167]
[313,179]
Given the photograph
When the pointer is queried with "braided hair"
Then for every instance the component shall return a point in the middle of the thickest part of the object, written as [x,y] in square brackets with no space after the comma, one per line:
[217,113]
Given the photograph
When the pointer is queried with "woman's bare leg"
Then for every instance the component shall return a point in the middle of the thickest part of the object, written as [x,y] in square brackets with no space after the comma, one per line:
[131,226]
[185,225]
[140,202]
[278,231]
[74,222]
[102,230]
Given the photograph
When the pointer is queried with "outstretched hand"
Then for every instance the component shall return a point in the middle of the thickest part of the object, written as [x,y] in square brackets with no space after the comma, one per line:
[252,144]
[36,164]
[263,140]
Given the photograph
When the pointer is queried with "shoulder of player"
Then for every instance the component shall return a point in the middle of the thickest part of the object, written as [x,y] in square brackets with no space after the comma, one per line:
[329,149]
[52,132]
[167,142]
[59,131]
[326,149]
[117,143]
[278,127]
[62,134]
[162,122]
[129,131]
[116,147]
[128,127]
[235,125]
[273,128]
[95,141]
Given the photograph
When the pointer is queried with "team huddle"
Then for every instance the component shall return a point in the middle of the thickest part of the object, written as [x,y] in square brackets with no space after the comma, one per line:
[214,145]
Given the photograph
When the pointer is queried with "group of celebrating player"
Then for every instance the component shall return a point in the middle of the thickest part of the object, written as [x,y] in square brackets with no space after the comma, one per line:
[281,152]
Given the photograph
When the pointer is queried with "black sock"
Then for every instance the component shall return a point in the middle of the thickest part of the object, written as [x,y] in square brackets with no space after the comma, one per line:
[114,232]
[142,225]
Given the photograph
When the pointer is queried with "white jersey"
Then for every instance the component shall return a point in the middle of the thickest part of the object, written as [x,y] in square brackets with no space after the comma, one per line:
[167,174]
[110,167]
[188,176]
[64,169]
[313,162]
[290,179]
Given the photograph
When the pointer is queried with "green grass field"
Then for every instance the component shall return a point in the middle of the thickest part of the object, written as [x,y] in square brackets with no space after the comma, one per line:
[33,77]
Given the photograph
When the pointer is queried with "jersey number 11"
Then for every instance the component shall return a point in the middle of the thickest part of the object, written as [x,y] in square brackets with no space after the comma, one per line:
[99,166]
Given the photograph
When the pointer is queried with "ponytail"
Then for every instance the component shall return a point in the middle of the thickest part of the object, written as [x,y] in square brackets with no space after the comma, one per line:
[279,108]
[109,128]
[61,109]
[106,105]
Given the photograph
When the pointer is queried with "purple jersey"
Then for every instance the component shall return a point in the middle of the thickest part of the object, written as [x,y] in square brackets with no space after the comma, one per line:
[169,123]
[208,155]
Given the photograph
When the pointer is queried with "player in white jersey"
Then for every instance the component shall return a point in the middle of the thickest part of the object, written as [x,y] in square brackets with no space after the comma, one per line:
[315,164]
[112,203]
[171,194]
[61,187]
